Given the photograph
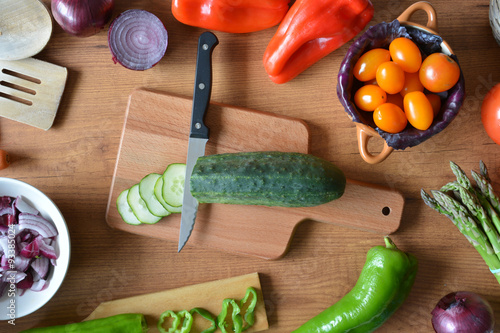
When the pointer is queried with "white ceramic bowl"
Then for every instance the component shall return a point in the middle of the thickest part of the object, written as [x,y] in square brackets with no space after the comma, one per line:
[32,301]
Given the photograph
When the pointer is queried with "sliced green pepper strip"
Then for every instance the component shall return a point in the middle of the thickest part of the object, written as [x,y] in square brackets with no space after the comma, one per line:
[237,320]
[121,323]
[184,315]
[249,316]
[208,316]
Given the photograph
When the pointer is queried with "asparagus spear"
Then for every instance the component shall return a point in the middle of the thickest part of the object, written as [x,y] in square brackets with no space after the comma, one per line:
[486,189]
[469,199]
[484,171]
[459,215]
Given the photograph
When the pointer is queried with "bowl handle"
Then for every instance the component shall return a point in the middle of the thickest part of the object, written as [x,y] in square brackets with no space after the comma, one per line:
[421,5]
[365,133]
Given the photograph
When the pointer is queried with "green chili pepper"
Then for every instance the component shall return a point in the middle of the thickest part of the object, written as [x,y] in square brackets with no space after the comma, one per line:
[122,323]
[184,315]
[249,316]
[383,285]
[236,319]
[208,316]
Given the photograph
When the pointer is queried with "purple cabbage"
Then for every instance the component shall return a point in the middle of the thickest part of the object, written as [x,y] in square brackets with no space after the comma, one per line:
[380,36]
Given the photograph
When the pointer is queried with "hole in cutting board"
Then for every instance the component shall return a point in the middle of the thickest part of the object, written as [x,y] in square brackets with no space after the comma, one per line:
[386,211]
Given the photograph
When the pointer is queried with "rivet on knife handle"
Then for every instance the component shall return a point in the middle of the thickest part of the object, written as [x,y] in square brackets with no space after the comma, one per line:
[199,132]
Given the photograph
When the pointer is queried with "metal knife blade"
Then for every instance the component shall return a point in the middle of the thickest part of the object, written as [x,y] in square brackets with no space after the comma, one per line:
[199,132]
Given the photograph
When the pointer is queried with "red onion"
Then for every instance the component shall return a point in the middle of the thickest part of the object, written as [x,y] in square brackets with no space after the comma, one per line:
[137,39]
[463,311]
[82,18]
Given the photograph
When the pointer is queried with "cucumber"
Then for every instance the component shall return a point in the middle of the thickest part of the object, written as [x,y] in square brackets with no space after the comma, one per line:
[139,206]
[266,178]
[124,209]
[146,191]
[173,184]
[158,191]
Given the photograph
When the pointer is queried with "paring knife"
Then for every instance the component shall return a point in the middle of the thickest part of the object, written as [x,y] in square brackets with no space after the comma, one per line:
[198,135]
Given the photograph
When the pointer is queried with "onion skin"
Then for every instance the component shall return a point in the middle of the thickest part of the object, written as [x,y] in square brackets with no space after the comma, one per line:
[463,312]
[82,18]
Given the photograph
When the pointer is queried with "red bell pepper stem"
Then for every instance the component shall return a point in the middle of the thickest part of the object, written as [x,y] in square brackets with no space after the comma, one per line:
[311,30]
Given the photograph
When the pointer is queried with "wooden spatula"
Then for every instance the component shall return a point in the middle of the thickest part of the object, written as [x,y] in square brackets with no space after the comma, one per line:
[31,90]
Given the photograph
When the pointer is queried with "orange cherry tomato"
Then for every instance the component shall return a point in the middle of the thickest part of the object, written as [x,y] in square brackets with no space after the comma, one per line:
[435,102]
[390,77]
[396,99]
[439,72]
[390,118]
[368,97]
[366,66]
[490,113]
[4,159]
[406,54]
[412,83]
[371,82]
[418,110]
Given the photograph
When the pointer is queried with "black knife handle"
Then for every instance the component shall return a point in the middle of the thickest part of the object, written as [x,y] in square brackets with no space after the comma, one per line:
[202,85]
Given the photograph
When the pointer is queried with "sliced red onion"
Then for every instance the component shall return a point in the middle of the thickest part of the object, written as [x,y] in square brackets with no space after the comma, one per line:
[7,219]
[22,263]
[31,250]
[45,248]
[40,285]
[37,223]
[13,275]
[27,282]
[41,266]
[137,39]
[32,245]
[5,205]
[4,263]
[4,244]
[24,207]
[82,18]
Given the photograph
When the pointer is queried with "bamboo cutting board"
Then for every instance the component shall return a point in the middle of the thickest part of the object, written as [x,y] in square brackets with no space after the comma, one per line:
[155,134]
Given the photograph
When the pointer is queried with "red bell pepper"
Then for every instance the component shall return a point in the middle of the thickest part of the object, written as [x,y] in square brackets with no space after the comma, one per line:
[236,16]
[311,30]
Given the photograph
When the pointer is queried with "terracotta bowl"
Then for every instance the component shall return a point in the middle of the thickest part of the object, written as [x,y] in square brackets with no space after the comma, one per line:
[380,35]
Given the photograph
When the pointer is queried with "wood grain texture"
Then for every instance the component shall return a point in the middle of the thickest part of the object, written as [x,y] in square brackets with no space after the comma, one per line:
[157,122]
[31,91]
[207,295]
[73,163]
[25,28]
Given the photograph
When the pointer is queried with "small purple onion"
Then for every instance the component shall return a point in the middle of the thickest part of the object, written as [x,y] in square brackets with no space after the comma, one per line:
[463,311]
[82,18]
[137,39]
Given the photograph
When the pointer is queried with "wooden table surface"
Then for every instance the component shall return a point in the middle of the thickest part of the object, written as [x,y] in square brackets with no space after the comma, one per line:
[73,164]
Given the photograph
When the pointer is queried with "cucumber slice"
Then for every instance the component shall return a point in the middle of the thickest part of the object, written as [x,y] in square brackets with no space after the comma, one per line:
[139,206]
[146,191]
[124,209]
[173,184]
[159,195]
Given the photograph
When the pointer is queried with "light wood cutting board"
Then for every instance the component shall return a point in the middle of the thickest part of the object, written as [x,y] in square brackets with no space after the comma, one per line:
[155,134]
[208,295]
